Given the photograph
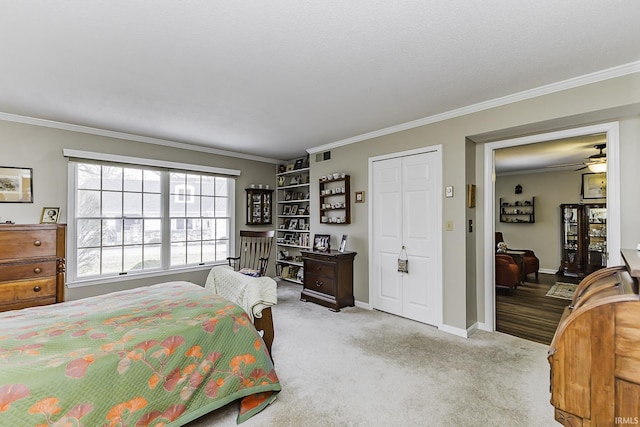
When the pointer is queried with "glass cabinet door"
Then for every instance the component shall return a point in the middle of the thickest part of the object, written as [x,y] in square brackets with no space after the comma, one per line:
[259,208]
[570,236]
[596,237]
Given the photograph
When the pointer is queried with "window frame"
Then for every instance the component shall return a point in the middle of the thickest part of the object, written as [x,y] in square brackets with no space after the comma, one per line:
[166,168]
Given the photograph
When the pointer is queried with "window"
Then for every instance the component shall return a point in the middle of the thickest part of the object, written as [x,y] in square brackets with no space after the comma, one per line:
[131,220]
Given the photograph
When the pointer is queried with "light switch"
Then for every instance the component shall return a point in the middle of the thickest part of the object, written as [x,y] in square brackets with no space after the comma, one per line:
[448,191]
[449,225]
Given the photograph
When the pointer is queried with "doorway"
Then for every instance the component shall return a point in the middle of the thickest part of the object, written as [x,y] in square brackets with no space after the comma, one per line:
[404,212]
[612,201]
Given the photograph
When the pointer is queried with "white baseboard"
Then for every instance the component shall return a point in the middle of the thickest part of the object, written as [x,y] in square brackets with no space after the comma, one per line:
[464,333]
[364,305]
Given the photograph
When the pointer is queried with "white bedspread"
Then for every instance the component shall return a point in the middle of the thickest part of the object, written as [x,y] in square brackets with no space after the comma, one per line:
[253,294]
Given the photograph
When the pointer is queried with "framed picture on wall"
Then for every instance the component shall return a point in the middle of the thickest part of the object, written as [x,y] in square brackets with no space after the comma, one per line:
[594,185]
[16,185]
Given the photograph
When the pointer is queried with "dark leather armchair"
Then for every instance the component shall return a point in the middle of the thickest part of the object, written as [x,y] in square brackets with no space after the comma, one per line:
[507,272]
[531,263]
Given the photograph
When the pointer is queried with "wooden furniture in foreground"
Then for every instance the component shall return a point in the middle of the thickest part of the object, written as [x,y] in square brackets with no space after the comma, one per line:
[594,355]
[328,278]
[32,265]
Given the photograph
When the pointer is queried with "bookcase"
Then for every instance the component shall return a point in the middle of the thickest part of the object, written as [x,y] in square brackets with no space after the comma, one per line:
[292,218]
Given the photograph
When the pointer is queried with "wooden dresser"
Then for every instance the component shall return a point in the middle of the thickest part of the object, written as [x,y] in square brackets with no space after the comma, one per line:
[32,265]
[595,353]
[328,278]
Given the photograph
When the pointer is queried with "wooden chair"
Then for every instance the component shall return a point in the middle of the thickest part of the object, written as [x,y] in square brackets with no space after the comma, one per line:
[531,263]
[255,250]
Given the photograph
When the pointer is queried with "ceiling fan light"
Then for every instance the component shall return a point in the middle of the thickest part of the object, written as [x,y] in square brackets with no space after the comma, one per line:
[598,167]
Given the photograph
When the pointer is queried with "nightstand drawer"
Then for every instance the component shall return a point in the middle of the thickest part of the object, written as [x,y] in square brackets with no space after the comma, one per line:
[317,283]
[27,290]
[27,244]
[320,268]
[18,271]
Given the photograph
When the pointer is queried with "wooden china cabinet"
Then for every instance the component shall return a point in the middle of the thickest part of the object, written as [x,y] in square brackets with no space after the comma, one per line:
[584,238]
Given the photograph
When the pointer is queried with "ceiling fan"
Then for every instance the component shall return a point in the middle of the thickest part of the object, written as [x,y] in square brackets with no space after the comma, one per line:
[596,162]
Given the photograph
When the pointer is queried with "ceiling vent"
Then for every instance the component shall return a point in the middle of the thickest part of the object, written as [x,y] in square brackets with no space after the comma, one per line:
[321,157]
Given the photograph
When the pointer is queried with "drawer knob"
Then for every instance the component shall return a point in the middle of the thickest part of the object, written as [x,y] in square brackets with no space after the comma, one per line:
[37,289]
[318,284]
[37,243]
[37,270]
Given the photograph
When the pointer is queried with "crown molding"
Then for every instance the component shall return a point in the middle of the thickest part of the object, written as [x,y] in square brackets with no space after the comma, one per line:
[131,137]
[598,76]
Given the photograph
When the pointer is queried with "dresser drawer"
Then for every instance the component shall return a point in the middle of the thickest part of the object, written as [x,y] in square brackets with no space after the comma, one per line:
[27,244]
[320,268]
[18,271]
[314,282]
[27,290]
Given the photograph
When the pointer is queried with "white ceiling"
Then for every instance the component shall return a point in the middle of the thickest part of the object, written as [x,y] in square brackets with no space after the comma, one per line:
[273,78]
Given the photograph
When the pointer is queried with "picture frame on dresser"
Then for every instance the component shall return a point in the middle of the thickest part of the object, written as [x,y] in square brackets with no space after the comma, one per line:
[343,243]
[322,242]
[16,185]
[50,216]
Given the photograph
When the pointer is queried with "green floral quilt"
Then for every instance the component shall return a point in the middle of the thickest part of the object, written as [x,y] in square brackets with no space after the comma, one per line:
[162,355]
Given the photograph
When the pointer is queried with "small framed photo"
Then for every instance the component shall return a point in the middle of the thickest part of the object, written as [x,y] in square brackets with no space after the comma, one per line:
[301,211]
[286,210]
[359,196]
[50,216]
[288,195]
[290,167]
[321,242]
[298,164]
[343,243]
[293,224]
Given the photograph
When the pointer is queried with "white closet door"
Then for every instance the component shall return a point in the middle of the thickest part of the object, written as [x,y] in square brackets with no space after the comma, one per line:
[405,204]
[387,234]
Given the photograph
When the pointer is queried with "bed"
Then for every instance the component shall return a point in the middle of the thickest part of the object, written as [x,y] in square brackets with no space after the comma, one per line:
[153,356]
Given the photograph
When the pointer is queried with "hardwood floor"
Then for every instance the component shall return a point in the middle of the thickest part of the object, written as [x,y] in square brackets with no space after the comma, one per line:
[529,313]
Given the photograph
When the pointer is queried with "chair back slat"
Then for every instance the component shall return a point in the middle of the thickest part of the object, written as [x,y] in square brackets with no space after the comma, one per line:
[255,250]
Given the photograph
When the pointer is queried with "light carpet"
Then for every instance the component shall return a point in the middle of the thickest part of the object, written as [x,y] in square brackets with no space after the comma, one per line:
[367,368]
[562,290]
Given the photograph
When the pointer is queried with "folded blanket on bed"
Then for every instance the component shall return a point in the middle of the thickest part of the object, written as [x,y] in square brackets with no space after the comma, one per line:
[253,294]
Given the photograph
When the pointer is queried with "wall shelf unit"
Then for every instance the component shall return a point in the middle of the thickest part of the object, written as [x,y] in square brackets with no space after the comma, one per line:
[335,199]
[292,213]
[517,211]
[259,206]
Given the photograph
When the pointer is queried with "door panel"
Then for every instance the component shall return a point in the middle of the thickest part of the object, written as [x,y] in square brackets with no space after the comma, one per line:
[387,239]
[405,206]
